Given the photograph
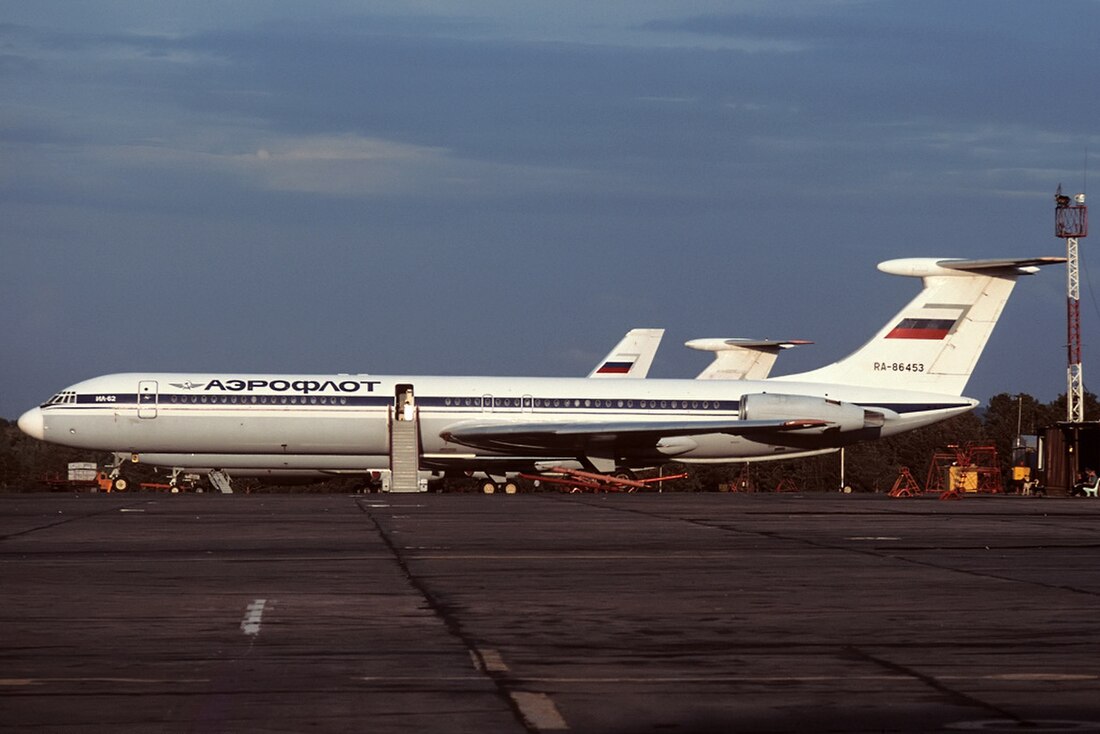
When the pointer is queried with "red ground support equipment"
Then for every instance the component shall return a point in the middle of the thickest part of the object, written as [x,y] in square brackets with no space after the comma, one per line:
[967,468]
[743,482]
[786,484]
[574,480]
[905,485]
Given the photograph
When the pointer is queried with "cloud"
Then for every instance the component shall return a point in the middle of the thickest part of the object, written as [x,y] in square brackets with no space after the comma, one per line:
[38,44]
[345,165]
[356,166]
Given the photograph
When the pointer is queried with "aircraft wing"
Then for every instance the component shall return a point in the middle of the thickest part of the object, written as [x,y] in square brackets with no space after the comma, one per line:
[583,438]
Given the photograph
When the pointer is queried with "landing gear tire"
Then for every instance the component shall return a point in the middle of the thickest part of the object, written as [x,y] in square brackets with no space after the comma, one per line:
[488,487]
[510,487]
[629,476]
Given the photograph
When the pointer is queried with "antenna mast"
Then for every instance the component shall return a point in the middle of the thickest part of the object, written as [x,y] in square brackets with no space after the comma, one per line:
[1071,221]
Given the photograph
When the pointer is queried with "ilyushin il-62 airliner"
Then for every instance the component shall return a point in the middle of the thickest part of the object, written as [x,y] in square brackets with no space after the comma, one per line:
[910,374]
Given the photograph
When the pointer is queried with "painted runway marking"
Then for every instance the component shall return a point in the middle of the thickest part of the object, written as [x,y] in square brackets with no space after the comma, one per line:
[486,661]
[16,682]
[582,556]
[1040,676]
[539,711]
[250,625]
[494,663]
[1032,726]
[1007,677]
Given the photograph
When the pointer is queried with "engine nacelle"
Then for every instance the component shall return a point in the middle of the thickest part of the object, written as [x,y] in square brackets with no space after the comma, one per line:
[843,416]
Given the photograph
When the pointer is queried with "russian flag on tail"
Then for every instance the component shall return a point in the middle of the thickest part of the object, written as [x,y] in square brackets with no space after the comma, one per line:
[922,329]
[615,368]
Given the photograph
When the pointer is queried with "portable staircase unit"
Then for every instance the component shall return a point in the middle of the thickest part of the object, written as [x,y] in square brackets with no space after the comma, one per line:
[404,456]
[220,480]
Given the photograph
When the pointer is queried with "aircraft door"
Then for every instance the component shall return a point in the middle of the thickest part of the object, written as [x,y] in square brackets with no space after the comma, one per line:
[147,399]
[404,408]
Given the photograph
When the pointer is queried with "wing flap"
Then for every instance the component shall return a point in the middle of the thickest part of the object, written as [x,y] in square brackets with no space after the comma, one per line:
[583,437]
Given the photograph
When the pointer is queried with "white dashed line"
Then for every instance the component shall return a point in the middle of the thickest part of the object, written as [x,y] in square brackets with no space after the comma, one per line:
[735,679]
[17,682]
[250,625]
[494,663]
[539,711]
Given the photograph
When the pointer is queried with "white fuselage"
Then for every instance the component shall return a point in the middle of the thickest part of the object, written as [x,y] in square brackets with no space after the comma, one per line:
[342,422]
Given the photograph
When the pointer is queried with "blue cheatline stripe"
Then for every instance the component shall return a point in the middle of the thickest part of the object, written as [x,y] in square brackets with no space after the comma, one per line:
[447,404]
[478,402]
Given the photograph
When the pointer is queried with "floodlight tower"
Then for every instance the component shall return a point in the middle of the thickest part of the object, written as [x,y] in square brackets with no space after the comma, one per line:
[1071,221]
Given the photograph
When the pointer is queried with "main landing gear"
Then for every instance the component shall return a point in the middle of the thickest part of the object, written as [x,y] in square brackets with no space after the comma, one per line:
[488,486]
[119,482]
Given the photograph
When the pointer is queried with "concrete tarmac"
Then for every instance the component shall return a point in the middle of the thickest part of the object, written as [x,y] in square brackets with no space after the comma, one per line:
[532,613]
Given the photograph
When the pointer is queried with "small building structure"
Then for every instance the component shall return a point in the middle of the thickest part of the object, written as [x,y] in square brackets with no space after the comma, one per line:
[1066,451]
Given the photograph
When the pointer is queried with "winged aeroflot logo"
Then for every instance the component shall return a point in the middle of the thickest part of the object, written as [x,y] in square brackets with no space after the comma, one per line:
[185,385]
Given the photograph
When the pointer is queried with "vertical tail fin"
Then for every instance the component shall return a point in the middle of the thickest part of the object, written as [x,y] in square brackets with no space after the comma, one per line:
[631,357]
[933,343]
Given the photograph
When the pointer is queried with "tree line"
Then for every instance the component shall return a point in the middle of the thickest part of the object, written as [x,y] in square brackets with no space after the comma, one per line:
[871,466]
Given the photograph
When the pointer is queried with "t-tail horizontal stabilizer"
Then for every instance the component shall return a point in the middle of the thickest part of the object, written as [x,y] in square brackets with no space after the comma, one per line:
[933,344]
[741,359]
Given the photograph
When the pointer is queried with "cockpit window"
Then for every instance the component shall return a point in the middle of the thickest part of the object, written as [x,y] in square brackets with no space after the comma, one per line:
[65,397]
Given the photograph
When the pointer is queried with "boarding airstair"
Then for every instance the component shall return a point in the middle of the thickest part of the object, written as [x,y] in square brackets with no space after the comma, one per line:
[404,456]
[220,480]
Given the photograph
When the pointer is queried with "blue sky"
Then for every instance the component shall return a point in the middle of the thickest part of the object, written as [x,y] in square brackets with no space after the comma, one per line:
[505,187]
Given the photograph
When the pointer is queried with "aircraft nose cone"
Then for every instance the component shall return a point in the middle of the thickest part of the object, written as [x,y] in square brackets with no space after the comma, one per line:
[31,423]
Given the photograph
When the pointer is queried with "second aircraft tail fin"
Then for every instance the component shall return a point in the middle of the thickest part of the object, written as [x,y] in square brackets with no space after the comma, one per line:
[631,357]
